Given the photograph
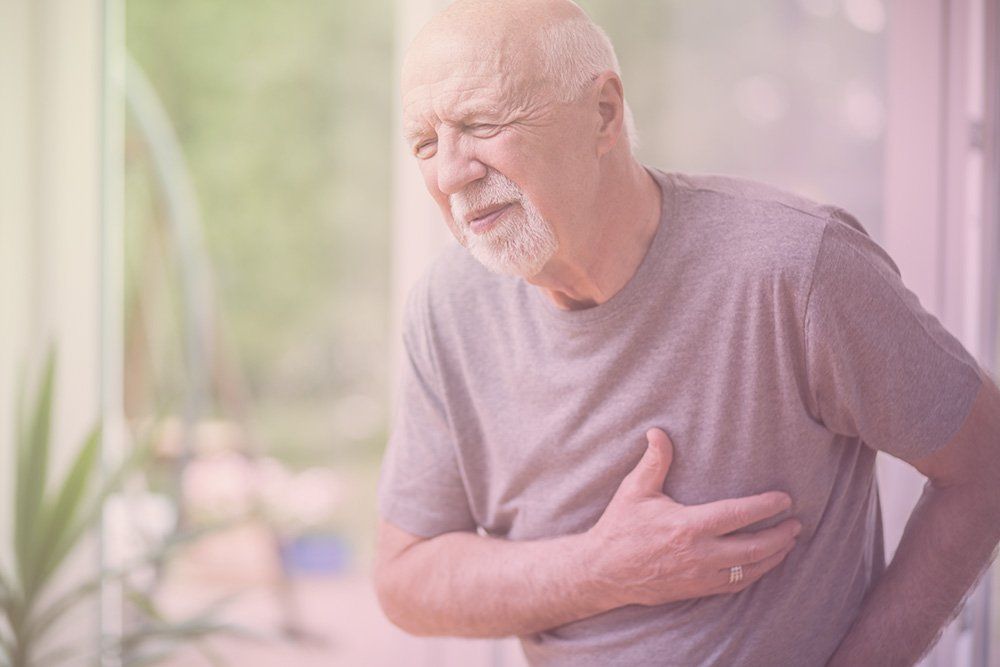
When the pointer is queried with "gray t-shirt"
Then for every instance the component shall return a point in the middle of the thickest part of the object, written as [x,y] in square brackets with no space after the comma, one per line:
[767,334]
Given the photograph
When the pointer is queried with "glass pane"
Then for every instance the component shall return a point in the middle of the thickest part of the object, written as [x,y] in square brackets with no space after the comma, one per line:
[257,308]
[790,92]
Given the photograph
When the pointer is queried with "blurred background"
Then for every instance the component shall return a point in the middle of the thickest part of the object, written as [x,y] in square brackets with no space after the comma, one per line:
[208,213]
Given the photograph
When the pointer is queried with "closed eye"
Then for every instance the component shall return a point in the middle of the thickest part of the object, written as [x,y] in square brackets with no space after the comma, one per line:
[425,149]
[484,129]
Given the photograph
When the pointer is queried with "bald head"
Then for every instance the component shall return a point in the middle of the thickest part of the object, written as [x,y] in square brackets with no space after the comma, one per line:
[542,47]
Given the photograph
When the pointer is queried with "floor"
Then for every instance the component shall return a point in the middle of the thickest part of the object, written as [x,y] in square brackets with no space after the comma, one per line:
[336,616]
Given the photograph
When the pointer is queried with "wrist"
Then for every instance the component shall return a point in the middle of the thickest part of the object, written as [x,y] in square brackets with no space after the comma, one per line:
[602,590]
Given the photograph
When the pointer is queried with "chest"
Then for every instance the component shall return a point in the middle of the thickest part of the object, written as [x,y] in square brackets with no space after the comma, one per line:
[546,437]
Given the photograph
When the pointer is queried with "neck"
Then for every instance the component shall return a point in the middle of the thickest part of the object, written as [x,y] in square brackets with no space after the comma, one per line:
[596,264]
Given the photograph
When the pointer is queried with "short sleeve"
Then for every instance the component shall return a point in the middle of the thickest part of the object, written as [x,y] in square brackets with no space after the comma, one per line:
[420,488]
[879,367]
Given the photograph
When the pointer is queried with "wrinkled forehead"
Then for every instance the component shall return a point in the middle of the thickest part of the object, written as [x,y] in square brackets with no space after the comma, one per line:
[444,75]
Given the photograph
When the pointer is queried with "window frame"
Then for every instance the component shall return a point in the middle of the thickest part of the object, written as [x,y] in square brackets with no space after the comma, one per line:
[941,222]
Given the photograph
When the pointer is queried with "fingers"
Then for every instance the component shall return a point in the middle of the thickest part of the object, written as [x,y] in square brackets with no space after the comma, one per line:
[752,547]
[725,516]
[751,572]
[650,473]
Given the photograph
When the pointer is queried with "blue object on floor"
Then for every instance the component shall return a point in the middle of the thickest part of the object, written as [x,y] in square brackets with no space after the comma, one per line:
[322,553]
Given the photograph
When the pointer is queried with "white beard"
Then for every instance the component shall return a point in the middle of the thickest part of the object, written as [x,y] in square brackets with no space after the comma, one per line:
[520,243]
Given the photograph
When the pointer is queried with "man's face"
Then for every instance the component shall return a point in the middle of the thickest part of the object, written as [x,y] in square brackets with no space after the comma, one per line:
[497,154]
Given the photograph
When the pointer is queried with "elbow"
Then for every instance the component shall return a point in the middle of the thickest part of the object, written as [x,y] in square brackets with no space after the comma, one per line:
[397,603]
[973,501]
[979,494]
[397,580]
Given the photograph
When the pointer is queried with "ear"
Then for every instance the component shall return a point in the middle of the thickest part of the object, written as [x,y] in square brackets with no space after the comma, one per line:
[611,109]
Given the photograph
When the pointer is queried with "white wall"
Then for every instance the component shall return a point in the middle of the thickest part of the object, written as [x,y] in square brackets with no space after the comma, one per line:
[50,215]
[15,211]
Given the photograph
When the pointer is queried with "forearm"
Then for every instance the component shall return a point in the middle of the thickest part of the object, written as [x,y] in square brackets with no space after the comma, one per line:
[464,584]
[946,545]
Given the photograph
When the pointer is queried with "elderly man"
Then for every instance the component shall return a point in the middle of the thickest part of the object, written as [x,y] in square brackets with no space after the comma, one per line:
[762,343]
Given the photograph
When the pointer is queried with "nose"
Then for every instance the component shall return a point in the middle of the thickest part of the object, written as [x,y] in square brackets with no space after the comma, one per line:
[457,165]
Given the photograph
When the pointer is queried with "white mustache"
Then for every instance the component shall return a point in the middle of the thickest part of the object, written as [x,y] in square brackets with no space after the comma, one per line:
[494,190]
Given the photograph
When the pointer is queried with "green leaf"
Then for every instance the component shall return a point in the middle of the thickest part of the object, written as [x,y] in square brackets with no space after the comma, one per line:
[32,473]
[57,655]
[6,649]
[179,631]
[148,659]
[213,658]
[67,535]
[146,605]
[58,517]
[10,607]
[47,526]
[47,617]
[39,623]
[195,627]
[89,515]
[44,620]
[6,591]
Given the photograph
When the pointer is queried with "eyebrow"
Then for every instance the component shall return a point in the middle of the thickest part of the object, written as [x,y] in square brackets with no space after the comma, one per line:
[414,131]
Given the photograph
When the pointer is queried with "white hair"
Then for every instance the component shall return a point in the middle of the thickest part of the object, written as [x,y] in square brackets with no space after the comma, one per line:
[575,51]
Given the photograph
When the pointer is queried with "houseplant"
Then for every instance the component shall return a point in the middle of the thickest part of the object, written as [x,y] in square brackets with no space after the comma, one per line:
[50,519]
